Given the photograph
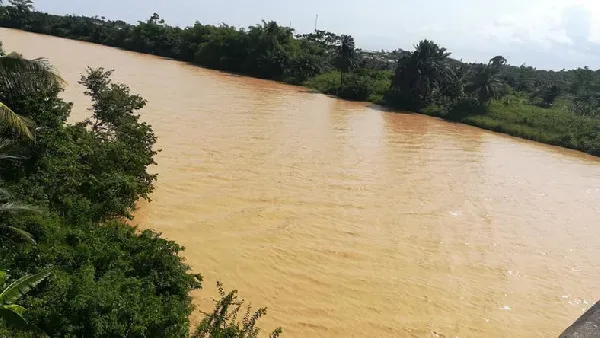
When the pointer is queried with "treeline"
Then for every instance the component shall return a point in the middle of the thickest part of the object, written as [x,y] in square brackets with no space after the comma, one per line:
[267,50]
[555,107]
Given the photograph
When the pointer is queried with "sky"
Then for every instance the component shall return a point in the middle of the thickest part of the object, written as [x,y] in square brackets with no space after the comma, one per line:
[546,34]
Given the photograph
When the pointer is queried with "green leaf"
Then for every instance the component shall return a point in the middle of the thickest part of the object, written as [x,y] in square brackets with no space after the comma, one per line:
[21,286]
[3,277]
[22,75]
[26,236]
[12,319]
[11,120]
[15,308]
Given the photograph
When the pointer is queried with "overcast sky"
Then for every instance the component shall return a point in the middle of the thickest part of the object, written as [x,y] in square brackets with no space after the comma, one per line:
[549,34]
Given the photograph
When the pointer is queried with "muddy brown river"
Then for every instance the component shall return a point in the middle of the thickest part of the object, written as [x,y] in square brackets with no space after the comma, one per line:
[347,221]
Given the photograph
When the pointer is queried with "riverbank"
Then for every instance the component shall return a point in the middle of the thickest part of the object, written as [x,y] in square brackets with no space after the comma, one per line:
[324,210]
[550,126]
[555,126]
[308,61]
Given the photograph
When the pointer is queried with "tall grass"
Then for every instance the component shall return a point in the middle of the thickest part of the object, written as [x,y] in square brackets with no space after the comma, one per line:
[556,126]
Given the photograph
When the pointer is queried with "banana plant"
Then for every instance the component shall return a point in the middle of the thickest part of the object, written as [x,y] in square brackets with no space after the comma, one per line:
[11,313]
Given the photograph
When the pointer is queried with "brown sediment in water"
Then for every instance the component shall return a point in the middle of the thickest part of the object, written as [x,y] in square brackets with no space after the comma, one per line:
[348,221]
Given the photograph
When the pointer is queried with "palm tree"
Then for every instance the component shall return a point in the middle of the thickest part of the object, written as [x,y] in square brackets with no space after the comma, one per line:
[19,76]
[346,56]
[9,120]
[421,74]
[11,313]
[432,69]
[484,84]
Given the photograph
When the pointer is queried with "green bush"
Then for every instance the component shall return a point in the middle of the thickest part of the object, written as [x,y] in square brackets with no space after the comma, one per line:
[359,86]
[326,83]
[223,321]
[356,87]
[108,280]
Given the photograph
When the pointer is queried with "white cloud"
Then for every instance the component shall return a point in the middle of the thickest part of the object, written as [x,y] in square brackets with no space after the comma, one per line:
[547,33]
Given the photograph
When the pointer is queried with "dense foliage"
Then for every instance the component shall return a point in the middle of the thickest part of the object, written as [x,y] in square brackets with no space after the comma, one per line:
[425,80]
[63,200]
[267,50]
[108,280]
[10,312]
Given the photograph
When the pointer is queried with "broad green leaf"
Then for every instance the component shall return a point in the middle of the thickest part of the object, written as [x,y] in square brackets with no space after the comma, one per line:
[16,308]
[21,286]
[12,319]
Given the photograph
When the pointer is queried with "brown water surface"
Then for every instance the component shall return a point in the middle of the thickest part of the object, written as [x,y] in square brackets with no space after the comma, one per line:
[347,221]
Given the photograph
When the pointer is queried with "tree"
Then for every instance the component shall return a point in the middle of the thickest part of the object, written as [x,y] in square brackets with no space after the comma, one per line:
[20,76]
[497,61]
[21,5]
[11,313]
[549,95]
[585,88]
[268,47]
[346,56]
[421,75]
[484,84]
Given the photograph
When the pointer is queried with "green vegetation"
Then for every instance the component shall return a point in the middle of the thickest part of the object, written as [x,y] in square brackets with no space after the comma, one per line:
[82,180]
[108,279]
[359,86]
[222,321]
[11,313]
[65,193]
[425,80]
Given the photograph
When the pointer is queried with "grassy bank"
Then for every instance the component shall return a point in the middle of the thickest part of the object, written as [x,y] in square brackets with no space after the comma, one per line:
[555,126]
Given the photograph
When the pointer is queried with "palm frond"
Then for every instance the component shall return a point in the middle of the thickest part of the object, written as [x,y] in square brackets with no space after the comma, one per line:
[4,156]
[3,278]
[15,207]
[24,235]
[7,150]
[15,122]
[21,286]
[20,75]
